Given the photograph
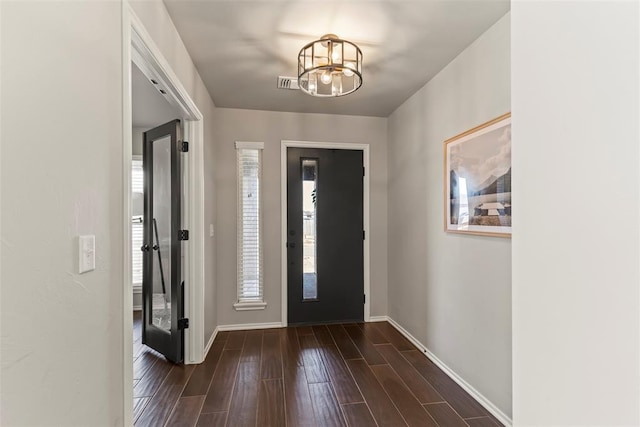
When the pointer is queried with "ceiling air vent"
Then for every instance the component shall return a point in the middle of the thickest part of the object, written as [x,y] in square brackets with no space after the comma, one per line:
[288,83]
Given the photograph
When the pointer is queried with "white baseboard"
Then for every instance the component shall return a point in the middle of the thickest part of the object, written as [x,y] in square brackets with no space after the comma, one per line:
[240,327]
[248,326]
[486,403]
[378,318]
[209,344]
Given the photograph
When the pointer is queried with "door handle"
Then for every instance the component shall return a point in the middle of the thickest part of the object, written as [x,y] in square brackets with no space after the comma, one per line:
[145,248]
[156,247]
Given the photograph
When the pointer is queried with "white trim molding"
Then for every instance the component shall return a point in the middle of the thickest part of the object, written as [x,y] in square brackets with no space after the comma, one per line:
[210,343]
[378,318]
[479,397]
[365,214]
[249,326]
[241,327]
[127,143]
[247,306]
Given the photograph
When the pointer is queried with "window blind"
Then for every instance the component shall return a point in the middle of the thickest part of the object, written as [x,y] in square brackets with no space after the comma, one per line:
[137,186]
[250,288]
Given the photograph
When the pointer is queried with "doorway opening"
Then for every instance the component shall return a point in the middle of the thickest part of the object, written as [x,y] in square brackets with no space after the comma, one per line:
[320,218]
[145,68]
[149,109]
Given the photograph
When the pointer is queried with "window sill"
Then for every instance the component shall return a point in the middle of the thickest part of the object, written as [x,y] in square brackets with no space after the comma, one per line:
[246,306]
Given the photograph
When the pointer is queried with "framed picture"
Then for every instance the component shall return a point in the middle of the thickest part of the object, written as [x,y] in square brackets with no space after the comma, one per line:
[477,167]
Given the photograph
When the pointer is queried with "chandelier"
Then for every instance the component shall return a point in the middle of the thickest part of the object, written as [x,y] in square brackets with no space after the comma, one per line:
[330,67]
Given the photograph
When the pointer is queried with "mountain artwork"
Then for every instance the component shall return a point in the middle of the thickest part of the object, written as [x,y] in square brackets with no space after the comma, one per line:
[478,179]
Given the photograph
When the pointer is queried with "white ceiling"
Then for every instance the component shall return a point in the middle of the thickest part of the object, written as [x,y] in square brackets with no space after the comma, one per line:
[240,47]
[149,107]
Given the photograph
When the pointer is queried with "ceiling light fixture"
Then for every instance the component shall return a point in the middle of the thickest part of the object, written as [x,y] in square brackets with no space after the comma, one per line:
[330,67]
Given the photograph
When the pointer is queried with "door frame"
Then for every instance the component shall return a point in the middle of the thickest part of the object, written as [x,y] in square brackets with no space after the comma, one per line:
[285,144]
[138,47]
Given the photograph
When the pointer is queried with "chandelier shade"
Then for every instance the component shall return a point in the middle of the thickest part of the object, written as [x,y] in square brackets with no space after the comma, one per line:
[330,67]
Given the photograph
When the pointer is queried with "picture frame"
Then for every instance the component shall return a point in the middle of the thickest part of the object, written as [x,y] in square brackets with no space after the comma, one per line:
[477,180]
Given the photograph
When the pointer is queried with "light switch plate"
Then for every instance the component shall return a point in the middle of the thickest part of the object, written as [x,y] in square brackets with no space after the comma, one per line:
[210,230]
[87,253]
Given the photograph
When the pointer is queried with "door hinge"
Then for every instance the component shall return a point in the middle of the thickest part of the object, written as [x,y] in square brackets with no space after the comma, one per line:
[364,298]
[183,323]
[185,147]
[363,235]
[183,235]
[363,171]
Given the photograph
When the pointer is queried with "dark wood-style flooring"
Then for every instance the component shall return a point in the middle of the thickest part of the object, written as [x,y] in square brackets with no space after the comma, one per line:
[359,374]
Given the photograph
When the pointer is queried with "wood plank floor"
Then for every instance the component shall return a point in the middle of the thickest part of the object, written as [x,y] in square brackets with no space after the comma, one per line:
[358,374]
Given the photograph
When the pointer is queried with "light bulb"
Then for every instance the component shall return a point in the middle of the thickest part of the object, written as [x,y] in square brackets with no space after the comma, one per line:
[348,69]
[336,52]
[326,77]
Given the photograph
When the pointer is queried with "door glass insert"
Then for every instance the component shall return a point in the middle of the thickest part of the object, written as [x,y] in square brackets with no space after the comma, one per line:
[309,212]
[161,234]
[162,287]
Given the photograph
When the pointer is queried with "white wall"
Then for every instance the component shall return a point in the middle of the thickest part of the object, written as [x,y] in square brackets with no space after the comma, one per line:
[137,138]
[157,21]
[61,176]
[576,248]
[272,127]
[452,292]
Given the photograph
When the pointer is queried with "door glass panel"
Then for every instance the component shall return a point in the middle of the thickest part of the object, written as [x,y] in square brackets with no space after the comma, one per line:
[161,238]
[309,211]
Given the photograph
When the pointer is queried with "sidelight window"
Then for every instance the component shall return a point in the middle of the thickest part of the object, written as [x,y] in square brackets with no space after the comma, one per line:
[250,271]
